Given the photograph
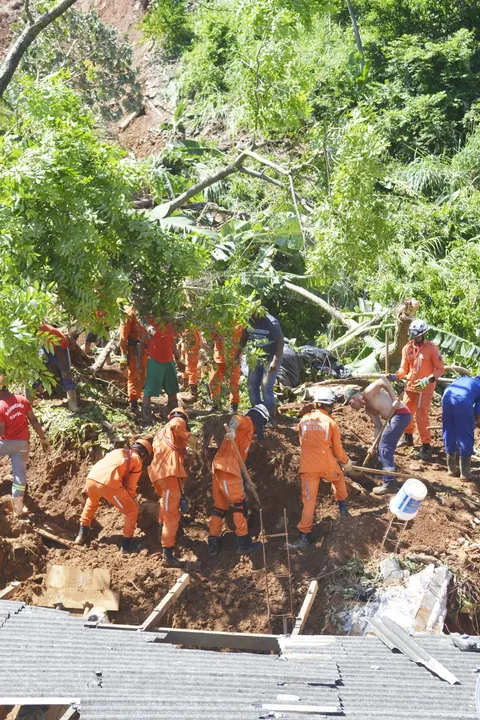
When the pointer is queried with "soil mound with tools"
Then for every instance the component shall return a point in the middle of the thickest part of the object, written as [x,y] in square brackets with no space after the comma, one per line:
[228,593]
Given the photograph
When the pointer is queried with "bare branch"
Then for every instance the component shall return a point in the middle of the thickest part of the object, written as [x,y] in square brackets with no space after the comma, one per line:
[356,32]
[26,38]
[28,12]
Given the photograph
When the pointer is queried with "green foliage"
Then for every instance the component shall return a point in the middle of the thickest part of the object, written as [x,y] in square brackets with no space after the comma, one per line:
[93,58]
[168,21]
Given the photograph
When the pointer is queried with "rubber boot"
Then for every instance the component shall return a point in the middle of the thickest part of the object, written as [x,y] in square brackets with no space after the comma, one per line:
[72,400]
[385,489]
[425,452]
[245,546]
[343,507]
[303,541]
[170,559]
[406,440]
[234,408]
[192,396]
[19,509]
[185,383]
[172,402]
[147,416]
[452,464]
[160,531]
[213,545]
[83,535]
[127,546]
[465,467]
[134,406]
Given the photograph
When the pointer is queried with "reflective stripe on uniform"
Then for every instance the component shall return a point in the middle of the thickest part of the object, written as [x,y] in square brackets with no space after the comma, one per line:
[167,495]
[118,501]
[225,486]
[307,491]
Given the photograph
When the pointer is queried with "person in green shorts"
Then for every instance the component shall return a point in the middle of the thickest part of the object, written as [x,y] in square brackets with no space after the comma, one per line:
[161,369]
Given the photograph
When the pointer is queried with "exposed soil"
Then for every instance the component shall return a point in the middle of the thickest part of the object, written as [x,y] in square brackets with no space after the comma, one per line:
[229,593]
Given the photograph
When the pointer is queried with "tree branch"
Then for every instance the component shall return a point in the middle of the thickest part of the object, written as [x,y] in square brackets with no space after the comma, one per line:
[25,39]
[28,12]
[356,32]
[323,304]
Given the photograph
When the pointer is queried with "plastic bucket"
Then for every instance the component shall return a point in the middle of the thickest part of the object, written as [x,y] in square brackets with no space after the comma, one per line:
[406,503]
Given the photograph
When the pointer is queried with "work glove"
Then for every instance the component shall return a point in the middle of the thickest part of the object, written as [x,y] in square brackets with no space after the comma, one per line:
[46,445]
[392,377]
[421,384]
[123,362]
[348,466]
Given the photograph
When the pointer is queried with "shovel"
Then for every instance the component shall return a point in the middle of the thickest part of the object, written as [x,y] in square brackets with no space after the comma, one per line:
[371,455]
[248,480]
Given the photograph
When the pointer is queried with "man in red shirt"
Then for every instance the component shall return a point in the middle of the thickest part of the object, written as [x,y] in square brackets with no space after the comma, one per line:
[15,414]
[161,370]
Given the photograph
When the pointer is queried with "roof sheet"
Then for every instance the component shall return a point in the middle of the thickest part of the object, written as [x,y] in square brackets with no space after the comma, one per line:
[119,674]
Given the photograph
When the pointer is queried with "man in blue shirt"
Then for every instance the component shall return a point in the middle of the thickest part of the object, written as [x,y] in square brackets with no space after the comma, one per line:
[461,412]
[263,332]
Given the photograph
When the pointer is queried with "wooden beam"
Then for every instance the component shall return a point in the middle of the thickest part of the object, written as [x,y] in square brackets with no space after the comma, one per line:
[9,590]
[55,538]
[70,714]
[166,603]
[302,616]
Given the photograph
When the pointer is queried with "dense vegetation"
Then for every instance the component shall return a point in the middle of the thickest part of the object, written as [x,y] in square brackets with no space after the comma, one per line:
[377,132]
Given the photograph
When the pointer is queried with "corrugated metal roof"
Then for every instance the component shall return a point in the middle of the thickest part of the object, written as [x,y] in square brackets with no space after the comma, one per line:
[119,675]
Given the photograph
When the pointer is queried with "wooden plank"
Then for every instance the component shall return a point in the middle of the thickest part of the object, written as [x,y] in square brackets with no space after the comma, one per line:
[77,598]
[302,616]
[166,603]
[55,538]
[9,590]
[72,576]
[70,714]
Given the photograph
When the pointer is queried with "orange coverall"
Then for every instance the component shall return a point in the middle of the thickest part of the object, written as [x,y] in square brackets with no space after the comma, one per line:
[131,336]
[114,478]
[167,473]
[419,361]
[321,450]
[191,344]
[227,487]
[217,376]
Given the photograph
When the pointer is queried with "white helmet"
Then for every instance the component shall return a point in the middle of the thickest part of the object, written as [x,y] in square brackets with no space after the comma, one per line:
[417,328]
[324,395]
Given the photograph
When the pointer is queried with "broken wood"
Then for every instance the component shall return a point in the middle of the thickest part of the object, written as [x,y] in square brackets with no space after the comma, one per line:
[9,590]
[55,538]
[166,603]
[65,576]
[79,598]
[266,161]
[405,476]
[123,125]
[302,616]
[100,361]
[248,480]
[334,312]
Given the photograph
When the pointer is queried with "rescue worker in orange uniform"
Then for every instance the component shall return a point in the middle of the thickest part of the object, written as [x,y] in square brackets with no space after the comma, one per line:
[190,354]
[228,486]
[133,346]
[115,478]
[217,376]
[422,365]
[167,473]
[321,451]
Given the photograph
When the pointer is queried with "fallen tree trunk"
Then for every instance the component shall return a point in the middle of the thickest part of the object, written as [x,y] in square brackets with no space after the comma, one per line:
[333,311]
[100,361]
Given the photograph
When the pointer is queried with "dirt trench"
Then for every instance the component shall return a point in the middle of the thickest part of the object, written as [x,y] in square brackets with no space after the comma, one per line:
[228,593]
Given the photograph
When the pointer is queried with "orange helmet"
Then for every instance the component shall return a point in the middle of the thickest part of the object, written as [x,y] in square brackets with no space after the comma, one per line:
[144,444]
[178,412]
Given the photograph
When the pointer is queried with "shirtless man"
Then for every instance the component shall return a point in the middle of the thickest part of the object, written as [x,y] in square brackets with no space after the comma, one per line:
[379,401]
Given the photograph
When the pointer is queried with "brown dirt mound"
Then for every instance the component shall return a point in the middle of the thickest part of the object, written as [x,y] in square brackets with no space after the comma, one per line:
[229,593]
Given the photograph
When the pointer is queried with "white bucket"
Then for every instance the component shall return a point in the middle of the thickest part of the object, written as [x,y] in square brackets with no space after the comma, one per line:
[406,503]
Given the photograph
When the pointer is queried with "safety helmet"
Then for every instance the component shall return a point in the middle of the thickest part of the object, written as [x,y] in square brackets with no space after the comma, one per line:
[260,417]
[324,395]
[142,445]
[178,412]
[417,328]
